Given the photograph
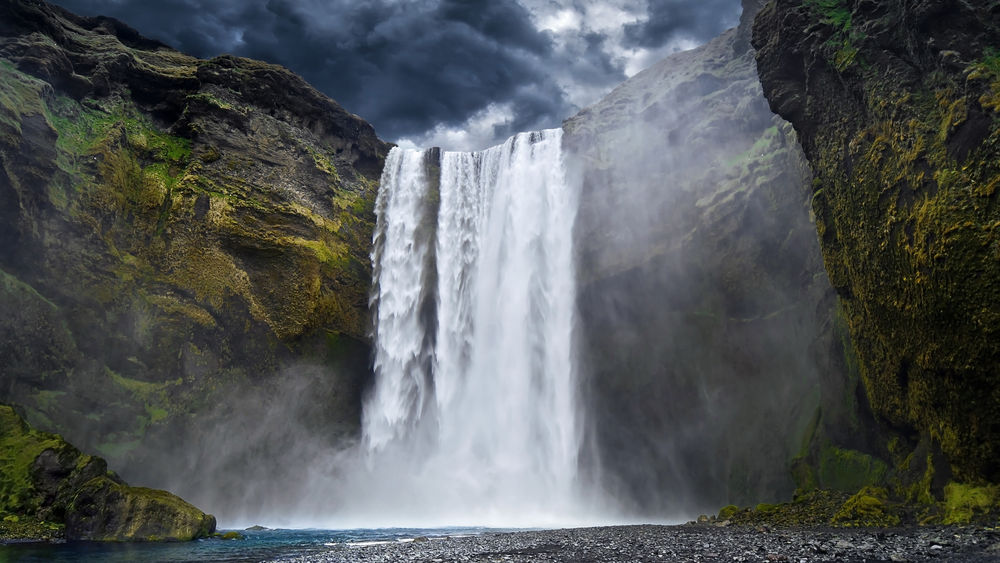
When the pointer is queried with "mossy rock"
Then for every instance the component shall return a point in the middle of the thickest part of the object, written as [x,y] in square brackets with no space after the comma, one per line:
[46,483]
[161,213]
[905,149]
[104,510]
[869,508]
[812,508]
[967,504]
[727,512]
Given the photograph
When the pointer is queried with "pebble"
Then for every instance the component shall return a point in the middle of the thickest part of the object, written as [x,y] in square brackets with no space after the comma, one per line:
[698,542]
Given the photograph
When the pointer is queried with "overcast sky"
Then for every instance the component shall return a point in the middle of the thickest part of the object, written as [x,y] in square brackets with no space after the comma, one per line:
[457,74]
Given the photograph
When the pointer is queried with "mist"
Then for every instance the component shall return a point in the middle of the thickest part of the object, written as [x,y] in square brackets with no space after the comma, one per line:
[692,347]
[705,310]
[702,338]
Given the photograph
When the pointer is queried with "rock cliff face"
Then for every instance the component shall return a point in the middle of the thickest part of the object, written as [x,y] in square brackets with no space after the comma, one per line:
[896,106]
[48,482]
[183,243]
[709,333]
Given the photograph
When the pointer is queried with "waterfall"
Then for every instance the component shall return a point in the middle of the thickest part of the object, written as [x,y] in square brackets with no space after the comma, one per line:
[473,415]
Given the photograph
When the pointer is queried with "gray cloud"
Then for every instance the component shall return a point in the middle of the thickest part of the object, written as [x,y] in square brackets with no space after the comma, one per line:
[672,20]
[418,66]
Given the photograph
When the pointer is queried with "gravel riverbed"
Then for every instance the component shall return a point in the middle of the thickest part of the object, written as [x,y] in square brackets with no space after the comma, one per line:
[684,543]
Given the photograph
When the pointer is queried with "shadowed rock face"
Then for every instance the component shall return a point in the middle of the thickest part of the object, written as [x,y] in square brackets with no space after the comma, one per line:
[708,331]
[182,241]
[43,477]
[896,105]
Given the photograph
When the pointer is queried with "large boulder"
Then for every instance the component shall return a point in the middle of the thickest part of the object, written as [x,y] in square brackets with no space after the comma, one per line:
[44,478]
[106,510]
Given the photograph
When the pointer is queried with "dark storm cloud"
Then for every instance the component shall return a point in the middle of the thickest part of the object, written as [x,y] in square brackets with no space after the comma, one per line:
[404,66]
[408,66]
[670,20]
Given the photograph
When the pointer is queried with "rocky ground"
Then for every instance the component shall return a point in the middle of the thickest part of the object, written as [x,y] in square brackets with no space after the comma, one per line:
[701,542]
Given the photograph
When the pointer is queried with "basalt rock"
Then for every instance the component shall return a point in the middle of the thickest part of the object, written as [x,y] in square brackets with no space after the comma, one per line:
[709,340]
[182,242]
[896,107]
[45,479]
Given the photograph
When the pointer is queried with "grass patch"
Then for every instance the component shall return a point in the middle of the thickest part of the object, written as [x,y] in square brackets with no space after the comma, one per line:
[843,43]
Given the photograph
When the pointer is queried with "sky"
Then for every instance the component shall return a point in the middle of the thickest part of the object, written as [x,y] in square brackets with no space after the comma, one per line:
[459,74]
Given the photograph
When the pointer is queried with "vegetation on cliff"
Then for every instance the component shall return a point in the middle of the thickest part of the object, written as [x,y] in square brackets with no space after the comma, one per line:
[182,240]
[49,489]
[895,106]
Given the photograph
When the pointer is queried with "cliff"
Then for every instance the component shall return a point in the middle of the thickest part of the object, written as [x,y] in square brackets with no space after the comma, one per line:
[183,247]
[896,107]
[710,340]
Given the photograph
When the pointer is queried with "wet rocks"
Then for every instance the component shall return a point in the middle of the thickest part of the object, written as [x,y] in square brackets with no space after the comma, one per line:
[684,543]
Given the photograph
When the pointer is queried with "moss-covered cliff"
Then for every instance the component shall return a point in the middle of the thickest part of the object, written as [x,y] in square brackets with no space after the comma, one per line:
[49,489]
[896,106]
[709,337]
[182,242]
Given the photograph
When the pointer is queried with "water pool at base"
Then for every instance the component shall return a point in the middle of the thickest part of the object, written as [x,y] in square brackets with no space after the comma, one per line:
[258,545]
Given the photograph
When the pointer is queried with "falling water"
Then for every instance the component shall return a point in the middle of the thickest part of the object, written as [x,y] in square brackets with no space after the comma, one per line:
[473,417]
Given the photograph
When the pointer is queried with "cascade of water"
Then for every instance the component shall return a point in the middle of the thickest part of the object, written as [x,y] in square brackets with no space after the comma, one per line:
[475,401]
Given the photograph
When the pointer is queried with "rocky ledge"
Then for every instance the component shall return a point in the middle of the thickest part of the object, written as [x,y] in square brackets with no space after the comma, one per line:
[49,490]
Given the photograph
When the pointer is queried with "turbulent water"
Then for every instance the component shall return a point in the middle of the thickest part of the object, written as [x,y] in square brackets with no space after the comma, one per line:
[257,545]
[473,417]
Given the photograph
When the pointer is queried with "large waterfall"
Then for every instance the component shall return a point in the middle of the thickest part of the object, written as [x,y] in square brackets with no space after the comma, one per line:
[473,417]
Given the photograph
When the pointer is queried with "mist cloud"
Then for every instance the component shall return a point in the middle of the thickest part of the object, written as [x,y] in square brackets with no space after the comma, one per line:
[424,70]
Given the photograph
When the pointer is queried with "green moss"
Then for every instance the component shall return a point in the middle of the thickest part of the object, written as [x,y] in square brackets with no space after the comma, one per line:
[988,68]
[833,12]
[20,95]
[843,43]
[849,470]
[813,508]
[870,507]
[153,515]
[19,446]
[727,512]
[156,414]
[965,504]
[210,99]
[765,508]
[323,162]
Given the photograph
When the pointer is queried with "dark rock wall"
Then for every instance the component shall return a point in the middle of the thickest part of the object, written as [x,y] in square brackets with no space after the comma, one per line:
[708,325]
[896,106]
[183,249]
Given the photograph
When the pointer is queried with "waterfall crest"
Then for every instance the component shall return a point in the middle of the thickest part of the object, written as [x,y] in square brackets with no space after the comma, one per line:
[473,416]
